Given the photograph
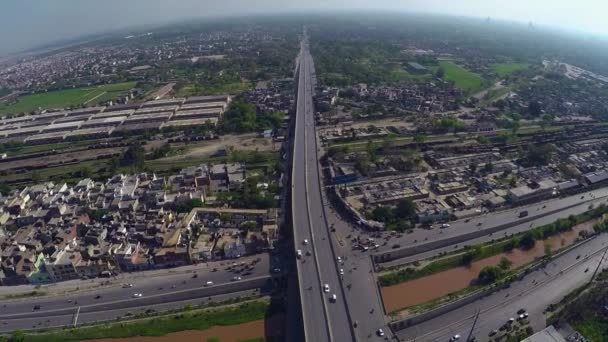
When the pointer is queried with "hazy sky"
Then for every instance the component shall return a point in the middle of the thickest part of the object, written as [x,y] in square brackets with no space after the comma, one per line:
[28,23]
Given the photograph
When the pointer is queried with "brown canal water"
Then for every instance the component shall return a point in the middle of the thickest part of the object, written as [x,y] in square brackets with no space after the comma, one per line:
[271,327]
[422,290]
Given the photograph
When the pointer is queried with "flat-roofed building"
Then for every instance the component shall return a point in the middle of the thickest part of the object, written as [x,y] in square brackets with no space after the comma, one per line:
[198,113]
[62,127]
[34,123]
[126,112]
[97,132]
[51,115]
[151,117]
[416,68]
[213,98]
[159,109]
[191,122]
[4,130]
[104,122]
[201,105]
[139,127]
[87,110]
[15,120]
[73,118]
[163,102]
[128,106]
[25,131]
[45,138]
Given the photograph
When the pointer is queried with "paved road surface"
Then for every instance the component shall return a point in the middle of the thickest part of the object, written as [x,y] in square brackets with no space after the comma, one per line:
[169,289]
[534,293]
[12,323]
[558,208]
[365,304]
[324,320]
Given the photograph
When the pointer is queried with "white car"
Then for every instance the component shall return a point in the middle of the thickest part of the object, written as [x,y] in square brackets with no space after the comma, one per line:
[341,271]
[137,295]
[209,283]
[380,332]
[445,225]
[299,253]
[333,298]
[305,241]
[339,259]
[126,286]
[326,288]
[455,338]
[236,278]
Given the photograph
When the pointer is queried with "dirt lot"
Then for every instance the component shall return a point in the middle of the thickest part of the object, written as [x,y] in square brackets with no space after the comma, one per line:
[395,122]
[248,142]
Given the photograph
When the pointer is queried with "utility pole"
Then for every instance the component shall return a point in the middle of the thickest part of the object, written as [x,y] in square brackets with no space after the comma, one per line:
[473,326]
[598,265]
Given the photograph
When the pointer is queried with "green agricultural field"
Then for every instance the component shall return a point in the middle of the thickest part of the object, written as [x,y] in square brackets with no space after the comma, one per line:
[462,78]
[66,98]
[505,69]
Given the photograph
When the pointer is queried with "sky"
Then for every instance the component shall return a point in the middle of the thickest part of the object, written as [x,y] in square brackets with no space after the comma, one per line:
[25,24]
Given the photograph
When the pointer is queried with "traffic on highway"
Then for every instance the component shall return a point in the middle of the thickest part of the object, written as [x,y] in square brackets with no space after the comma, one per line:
[125,294]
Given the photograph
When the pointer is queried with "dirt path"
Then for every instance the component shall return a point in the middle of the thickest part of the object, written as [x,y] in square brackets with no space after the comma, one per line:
[95,97]
[495,86]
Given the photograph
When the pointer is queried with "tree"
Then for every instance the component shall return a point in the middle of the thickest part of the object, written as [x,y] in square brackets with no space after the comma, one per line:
[473,167]
[371,151]
[467,258]
[240,117]
[534,108]
[419,139]
[18,336]
[527,241]
[161,151]
[4,189]
[36,177]
[546,121]
[382,214]
[488,167]
[85,172]
[489,275]
[514,127]
[482,139]
[540,155]
[405,209]
[505,263]
[134,156]
[440,72]
[548,249]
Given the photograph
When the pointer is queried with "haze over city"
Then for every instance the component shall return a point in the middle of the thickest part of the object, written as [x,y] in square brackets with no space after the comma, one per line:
[30,23]
[304,171]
